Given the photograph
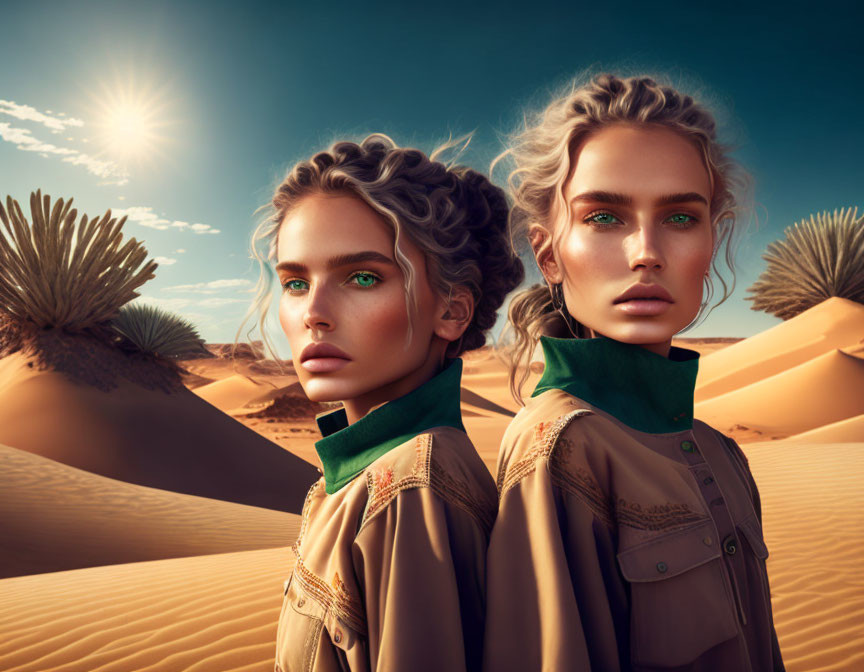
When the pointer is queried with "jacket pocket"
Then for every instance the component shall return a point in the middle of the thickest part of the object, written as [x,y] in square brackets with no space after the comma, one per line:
[681,602]
[299,632]
[752,531]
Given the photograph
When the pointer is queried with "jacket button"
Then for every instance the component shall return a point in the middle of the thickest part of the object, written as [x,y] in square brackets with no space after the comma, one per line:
[301,601]
[708,480]
[707,541]
[730,545]
[688,446]
[337,636]
[661,567]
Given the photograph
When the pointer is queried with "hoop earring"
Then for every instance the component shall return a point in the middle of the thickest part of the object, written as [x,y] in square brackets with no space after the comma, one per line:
[707,294]
[557,293]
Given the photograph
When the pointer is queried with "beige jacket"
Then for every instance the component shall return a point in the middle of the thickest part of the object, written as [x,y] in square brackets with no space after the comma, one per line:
[616,549]
[389,570]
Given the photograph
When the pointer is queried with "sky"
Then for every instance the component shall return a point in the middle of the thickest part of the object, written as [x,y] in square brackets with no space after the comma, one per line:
[222,98]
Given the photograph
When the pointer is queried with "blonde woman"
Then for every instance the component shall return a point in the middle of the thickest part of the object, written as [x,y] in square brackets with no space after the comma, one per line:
[629,534]
[392,265]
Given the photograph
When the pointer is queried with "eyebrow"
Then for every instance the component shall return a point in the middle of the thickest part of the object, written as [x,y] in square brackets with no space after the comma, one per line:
[689,197]
[338,261]
[613,198]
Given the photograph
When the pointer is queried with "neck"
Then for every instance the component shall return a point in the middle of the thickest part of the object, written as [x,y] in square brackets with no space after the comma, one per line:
[347,449]
[661,349]
[359,407]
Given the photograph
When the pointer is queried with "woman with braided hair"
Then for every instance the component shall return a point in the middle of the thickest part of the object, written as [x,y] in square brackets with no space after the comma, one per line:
[628,534]
[393,264]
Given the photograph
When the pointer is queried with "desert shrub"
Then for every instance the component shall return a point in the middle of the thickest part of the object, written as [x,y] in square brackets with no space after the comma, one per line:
[817,259]
[155,331]
[57,273]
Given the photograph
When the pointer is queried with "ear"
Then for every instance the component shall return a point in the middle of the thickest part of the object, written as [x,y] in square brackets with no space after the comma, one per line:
[541,243]
[455,314]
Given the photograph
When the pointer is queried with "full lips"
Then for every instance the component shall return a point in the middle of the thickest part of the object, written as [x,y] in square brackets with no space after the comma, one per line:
[643,307]
[324,364]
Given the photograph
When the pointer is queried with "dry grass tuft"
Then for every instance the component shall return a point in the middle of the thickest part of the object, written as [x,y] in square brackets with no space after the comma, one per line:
[155,331]
[818,259]
[61,274]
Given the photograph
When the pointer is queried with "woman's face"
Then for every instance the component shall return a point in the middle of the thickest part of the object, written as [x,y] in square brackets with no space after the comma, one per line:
[343,306]
[638,242]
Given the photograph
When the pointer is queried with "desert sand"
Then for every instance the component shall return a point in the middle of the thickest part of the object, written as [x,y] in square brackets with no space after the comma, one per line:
[848,430]
[821,391]
[813,517]
[802,379]
[219,612]
[832,324]
[172,440]
[55,517]
[203,614]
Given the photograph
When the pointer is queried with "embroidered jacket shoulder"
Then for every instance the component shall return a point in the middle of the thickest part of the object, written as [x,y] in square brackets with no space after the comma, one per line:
[435,460]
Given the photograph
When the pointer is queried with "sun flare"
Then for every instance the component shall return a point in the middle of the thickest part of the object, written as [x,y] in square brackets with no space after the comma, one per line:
[127,128]
[131,122]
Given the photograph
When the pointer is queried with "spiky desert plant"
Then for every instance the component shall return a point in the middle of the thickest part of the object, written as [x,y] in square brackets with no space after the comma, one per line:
[56,273]
[818,259]
[158,332]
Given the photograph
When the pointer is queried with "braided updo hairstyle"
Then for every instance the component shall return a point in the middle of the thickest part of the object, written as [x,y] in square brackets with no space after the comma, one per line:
[455,215]
[541,153]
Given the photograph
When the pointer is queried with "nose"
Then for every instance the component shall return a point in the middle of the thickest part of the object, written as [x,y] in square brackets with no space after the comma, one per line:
[645,250]
[318,315]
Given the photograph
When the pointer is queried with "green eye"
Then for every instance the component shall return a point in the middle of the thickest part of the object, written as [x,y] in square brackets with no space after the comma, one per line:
[296,285]
[681,219]
[603,218]
[365,279]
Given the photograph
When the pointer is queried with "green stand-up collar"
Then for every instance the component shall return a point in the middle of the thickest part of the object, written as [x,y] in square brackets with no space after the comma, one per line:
[346,450]
[642,389]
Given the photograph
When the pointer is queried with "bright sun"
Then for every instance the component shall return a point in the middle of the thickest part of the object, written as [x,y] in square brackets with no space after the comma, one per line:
[131,122]
[127,128]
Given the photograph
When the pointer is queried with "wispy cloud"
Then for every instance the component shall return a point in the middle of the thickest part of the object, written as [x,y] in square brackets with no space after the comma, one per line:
[177,304]
[47,119]
[216,301]
[167,304]
[145,216]
[164,261]
[212,287]
[25,141]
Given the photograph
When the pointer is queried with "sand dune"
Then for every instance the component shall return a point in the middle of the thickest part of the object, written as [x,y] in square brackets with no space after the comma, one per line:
[219,612]
[478,402]
[236,394]
[850,430]
[54,517]
[486,434]
[813,515]
[818,392]
[705,346]
[205,614]
[832,324]
[172,441]
[233,391]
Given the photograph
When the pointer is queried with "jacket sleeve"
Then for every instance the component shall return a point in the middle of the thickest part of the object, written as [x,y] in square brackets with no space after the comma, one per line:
[421,565]
[555,599]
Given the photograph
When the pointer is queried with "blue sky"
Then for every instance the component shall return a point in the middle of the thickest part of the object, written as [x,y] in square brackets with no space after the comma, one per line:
[237,93]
